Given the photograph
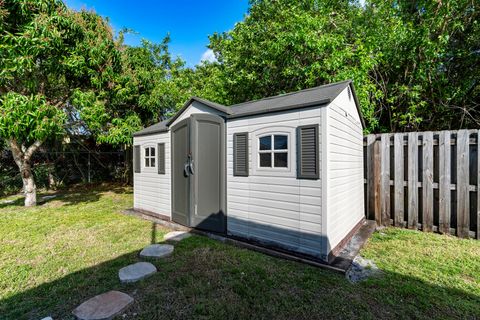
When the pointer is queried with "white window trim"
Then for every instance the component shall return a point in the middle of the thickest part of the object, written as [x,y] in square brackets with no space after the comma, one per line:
[272,151]
[274,171]
[145,147]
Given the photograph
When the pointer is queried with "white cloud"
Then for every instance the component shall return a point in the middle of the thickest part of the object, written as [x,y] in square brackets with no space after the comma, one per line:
[208,56]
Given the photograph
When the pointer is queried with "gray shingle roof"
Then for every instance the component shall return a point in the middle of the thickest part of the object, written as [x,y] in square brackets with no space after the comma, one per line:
[303,98]
[156,128]
[317,96]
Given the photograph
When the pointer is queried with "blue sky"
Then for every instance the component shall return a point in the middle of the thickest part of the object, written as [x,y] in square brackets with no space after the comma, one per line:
[189,22]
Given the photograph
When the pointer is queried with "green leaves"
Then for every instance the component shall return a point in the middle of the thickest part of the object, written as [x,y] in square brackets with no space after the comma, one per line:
[29,118]
[284,46]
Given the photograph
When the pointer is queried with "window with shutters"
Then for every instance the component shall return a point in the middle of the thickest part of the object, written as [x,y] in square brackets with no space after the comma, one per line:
[273,151]
[149,155]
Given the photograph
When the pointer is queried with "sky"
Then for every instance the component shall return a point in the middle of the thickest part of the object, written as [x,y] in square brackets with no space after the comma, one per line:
[189,22]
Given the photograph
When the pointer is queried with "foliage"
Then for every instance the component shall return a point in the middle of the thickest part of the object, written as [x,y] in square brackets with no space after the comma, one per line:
[283,46]
[149,88]
[29,118]
[77,242]
[48,52]
[429,71]
[414,63]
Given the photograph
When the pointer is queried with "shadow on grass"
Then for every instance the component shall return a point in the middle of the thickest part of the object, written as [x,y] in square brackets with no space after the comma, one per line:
[212,280]
[72,195]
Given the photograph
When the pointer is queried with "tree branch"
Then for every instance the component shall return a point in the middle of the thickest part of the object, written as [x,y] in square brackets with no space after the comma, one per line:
[31,150]
[16,152]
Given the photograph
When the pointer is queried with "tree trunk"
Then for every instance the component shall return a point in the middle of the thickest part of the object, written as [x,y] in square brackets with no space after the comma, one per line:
[29,187]
[22,157]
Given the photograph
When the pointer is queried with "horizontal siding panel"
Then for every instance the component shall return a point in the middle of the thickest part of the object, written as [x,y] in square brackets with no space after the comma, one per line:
[287,223]
[345,172]
[268,204]
[272,180]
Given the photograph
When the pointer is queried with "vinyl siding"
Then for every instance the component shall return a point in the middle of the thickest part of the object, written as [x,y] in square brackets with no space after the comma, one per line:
[345,195]
[275,208]
[152,191]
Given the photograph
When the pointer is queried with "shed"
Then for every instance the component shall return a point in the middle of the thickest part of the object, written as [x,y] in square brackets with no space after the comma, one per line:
[284,172]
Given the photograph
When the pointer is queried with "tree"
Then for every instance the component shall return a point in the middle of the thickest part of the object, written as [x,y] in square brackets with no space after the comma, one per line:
[415,63]
[429,67]
[149,88]
[48,53]
[283,46]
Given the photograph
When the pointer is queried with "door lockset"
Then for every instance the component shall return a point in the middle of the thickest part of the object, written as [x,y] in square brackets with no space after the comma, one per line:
[189,169]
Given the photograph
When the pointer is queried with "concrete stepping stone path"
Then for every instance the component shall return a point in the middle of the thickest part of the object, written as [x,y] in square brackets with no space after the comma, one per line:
[157,251]
[104,306]
[176,235]
[136,271]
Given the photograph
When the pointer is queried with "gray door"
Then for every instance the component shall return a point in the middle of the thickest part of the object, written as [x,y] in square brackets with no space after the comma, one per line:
[208,154]
[198,172]
[180,175]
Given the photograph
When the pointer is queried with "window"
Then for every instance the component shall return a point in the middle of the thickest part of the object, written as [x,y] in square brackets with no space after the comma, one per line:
[149,157]
[273,151]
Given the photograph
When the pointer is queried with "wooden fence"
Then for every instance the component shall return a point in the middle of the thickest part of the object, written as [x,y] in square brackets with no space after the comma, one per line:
[424,180]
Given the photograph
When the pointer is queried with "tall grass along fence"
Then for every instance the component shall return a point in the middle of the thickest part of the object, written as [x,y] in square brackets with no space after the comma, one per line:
[424,180]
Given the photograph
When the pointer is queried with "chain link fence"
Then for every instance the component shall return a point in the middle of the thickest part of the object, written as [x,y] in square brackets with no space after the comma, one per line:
[54,169]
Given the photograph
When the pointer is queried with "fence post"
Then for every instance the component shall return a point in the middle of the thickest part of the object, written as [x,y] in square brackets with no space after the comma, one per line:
[427,184]
[89,180]
[377,182]
[463,183]
[478,184]
[412,180]
[399,177]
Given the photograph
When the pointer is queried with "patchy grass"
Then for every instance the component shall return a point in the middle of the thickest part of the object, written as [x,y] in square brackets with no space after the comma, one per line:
[60,253]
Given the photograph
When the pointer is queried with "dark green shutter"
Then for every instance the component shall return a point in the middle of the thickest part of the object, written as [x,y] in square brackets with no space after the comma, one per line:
[161,158]
[136,159]
[307,152]
[240,154]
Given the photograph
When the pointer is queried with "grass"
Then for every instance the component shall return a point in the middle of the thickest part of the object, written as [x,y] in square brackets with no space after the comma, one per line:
[70,248]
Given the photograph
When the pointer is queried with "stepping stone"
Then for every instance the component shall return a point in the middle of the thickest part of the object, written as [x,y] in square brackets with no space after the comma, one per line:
[157,251]
[136,271]
[177,235]
[104,306]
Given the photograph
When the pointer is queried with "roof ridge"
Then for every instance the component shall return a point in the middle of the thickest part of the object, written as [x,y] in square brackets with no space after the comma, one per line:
[291,93]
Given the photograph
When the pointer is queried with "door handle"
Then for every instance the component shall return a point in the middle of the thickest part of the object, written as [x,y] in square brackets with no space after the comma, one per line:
[188,168]
[191,167]
[186,171]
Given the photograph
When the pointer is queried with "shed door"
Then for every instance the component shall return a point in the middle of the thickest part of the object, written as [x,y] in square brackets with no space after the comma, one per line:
[180,175]
[198,172]
[208,154]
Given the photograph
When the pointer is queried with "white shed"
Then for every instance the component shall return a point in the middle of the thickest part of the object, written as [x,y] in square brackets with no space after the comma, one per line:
[284,172]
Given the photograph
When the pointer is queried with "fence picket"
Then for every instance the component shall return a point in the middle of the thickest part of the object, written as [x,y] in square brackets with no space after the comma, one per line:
[385,176]
[370,204]
[412,180]
[463,199]
[427,182]
[399,210]
[444,207]
[377,182]
[414,166]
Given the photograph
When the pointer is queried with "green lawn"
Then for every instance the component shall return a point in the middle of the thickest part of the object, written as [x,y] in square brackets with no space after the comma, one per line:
[60,253]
